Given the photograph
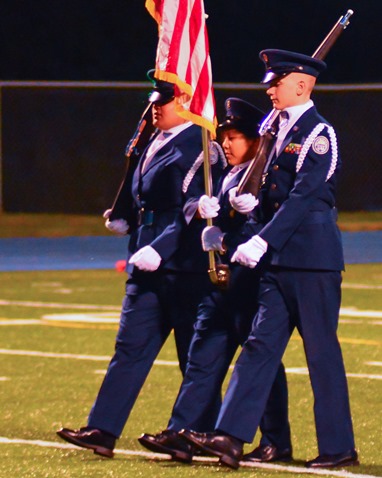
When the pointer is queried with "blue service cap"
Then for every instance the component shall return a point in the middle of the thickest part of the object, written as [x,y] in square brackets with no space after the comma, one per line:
[282,62]
[163,91]
[242,116]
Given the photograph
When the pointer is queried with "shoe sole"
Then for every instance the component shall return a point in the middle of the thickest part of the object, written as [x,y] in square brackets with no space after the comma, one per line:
[273,460]
[98,450]
[224,459]
[229,461]
[176,455]
[338,465]
[286,459]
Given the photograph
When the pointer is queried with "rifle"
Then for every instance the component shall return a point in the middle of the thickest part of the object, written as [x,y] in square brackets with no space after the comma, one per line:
[133,150]
[252,180]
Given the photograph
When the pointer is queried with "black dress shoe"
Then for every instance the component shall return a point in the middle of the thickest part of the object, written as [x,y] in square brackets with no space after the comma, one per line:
[169,442]
[267,453]
[227,448]
[347,458]
[100,442]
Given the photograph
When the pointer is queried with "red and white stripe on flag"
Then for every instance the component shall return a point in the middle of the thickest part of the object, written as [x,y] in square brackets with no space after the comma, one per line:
[183,58]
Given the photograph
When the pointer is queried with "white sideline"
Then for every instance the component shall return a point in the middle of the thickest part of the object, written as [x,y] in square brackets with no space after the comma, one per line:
[159,456]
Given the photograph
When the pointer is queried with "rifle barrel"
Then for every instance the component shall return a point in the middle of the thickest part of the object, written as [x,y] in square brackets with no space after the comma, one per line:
[332,36]
[251,180]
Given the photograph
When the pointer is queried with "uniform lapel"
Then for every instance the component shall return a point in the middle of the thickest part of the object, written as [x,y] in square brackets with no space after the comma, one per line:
[159,157]
[296,128]
[231,184]
[136,183]
[167,150]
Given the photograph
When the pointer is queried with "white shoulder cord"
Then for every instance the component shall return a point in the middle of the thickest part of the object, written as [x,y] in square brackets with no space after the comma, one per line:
[308,143]
[216,152]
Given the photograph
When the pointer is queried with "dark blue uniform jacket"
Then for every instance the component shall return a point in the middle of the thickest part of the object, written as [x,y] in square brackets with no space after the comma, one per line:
[299,207]
[158,200]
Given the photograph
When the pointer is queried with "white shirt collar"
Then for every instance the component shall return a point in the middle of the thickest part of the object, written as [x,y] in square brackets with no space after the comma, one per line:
[243,165]
[295,112]
[238,167]
[178,129]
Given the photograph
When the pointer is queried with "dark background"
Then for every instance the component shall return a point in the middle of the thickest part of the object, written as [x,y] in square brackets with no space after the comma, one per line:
[115,40]
[63,145]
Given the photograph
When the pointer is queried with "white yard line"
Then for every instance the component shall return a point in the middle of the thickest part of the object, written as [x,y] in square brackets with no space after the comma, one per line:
[109,319]
[90,317]
[158,456]
[344,311]
[33,353]
[20,322]
[304,371]
[353,312]
[59,305]
[349,285]
[100,358]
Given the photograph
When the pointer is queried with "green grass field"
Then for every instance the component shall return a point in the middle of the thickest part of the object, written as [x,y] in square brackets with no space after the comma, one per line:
[58,225]
[44,384]
[41,393]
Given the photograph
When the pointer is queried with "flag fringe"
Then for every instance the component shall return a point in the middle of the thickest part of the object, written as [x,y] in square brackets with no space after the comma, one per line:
[151,8]
[174,78]
[197,119]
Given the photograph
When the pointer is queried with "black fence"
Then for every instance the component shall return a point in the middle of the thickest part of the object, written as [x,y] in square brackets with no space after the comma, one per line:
[62,144]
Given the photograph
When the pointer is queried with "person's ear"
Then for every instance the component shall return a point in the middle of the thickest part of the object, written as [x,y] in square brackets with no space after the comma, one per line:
[300,87]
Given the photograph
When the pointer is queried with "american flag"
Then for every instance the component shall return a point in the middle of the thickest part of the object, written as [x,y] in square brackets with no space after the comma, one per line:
[183,57]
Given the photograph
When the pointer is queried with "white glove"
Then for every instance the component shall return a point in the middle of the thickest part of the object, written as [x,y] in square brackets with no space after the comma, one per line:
[244,203]
[212,239]
[119,226]
[208,206]
[146,259]
[249,253]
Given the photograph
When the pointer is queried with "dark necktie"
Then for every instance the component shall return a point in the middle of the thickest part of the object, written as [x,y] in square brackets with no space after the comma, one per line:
[283,119]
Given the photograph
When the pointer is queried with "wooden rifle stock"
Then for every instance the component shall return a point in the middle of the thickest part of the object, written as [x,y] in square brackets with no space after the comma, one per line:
[252,180]
[132,145]
[133,151]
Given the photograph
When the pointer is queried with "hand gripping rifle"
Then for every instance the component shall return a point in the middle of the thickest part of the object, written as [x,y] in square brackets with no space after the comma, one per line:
[251,181]
[133,150]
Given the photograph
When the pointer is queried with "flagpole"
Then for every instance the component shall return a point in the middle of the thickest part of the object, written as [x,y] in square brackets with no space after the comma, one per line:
[207,167]
[208,191]
[219,274]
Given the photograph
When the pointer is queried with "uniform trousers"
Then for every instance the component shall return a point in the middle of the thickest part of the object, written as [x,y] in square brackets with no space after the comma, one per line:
[224,322]
[155,304]
[310,301]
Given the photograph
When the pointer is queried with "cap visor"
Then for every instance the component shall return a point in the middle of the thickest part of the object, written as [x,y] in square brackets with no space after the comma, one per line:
[269,76]
[155,96]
